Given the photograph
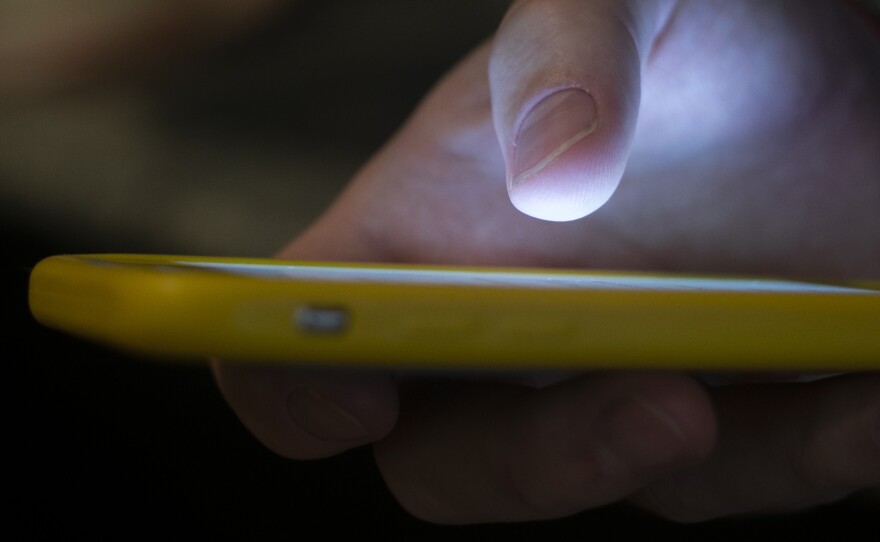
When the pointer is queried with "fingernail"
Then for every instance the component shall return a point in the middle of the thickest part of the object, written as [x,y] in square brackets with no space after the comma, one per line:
[551,128]
[641,436]
[322,418]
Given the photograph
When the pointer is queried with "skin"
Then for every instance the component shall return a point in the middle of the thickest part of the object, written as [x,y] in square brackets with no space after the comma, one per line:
[728,137]
[749,133]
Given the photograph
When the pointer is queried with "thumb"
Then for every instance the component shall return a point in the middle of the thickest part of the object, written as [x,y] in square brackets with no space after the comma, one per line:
[564,77]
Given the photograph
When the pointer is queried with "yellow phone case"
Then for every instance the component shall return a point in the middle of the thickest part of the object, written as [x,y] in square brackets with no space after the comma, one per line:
[193,307]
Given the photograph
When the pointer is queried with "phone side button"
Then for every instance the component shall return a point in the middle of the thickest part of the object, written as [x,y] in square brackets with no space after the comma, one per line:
[321,320]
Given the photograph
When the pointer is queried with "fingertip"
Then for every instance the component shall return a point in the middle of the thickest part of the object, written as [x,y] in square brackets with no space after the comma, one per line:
[652,424]
[785,446]
[309,414]
[567,190]
[683,404]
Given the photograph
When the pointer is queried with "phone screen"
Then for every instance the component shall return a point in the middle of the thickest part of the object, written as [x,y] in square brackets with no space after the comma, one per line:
[552,280]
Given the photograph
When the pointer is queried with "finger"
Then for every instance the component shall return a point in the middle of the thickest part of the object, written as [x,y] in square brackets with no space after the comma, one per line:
[307,414]
[780,447]
[494,452]
[310,413]
[565,86]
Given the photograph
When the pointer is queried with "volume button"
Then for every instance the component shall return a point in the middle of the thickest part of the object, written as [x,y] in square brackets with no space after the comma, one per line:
[321,320]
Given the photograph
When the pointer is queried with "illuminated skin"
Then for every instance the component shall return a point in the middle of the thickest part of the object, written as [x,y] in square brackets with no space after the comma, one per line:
[749,131]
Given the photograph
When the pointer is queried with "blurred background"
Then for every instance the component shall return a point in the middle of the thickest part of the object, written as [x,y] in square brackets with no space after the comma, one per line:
[184,127]
[219,127]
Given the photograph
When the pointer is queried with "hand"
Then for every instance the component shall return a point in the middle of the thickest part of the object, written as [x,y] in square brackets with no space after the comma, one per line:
[748,132]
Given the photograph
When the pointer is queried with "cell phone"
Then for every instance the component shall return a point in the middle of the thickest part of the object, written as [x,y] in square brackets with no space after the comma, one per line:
[413,316]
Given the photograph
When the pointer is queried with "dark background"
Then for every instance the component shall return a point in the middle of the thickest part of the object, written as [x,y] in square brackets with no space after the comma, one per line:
[232,151]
